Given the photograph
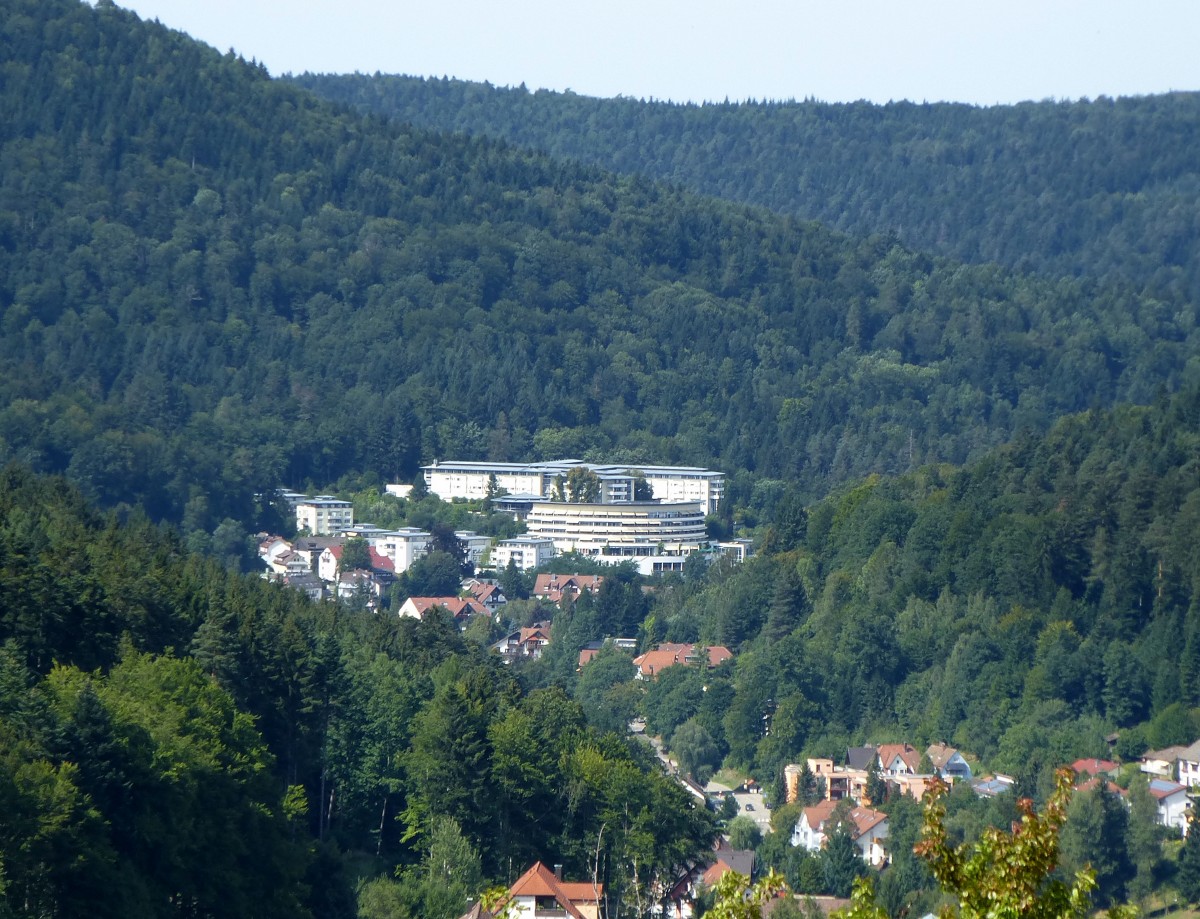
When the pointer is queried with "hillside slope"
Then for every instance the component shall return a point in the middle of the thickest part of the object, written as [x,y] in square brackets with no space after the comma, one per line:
[1107,189]
[212,284]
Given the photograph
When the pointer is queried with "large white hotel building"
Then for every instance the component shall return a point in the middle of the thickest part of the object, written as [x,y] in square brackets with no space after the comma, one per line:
[450,480]
[657,534]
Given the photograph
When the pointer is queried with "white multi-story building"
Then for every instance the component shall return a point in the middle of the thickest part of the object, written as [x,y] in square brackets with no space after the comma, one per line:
[620,531]
[527,552]
[470,480]
[403,546]
[323,515]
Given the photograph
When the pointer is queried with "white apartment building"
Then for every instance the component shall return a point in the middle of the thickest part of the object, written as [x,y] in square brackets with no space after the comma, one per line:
[323,515]
[620,531]
[469,480]
[403,546]
[527,552]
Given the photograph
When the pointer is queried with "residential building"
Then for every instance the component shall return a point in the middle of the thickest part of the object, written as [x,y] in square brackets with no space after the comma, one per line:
[868,829]
[948,763]
[554,587]
[472,480]
[898,759]
[1094,767]
[323,515]
[403,546]
[1175,762]
[1173,803]
[526,552]
[475,545]
[652,663]
[461,608]
[486,592]
[541,893]
[527,643]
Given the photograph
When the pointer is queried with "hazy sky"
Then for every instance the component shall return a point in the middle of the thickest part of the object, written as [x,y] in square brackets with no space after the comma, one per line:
[980,51]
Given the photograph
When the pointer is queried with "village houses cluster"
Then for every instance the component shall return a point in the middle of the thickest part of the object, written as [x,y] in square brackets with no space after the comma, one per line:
[651,516]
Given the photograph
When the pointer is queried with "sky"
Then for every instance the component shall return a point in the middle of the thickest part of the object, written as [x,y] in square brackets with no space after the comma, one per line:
[978,51]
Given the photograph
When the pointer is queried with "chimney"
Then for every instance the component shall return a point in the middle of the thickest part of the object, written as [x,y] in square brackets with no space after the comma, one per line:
[558,872]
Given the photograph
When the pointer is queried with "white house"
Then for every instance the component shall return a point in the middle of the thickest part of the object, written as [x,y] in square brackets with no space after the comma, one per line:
[540,893]
[948,763]
[1173,803]
[870,829]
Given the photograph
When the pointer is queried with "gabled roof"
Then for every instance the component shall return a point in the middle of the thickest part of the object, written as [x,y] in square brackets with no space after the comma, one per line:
[728,859]
[539,881]
[1093,766]
[818,813]
[668,654]
[485,593]
[889,752]
[456,606]
[940,754]
[553,586]
[1109,786]
[864,818]
[860,757]
[1162,788]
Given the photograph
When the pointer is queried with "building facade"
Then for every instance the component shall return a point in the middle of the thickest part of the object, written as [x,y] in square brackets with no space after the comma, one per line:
[620,531]
[526,552]
[472,480]
[323,515]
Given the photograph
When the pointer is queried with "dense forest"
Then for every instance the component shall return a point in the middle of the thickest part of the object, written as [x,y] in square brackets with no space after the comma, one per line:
[1017,607]
[176,740]
[214,284]
[1024,608]
[1105,188]
[975,488]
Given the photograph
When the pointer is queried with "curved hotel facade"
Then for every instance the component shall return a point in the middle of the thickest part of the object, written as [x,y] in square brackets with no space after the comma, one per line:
[630,530]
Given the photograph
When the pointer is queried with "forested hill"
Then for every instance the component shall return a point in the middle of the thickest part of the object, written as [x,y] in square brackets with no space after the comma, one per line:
[213,283]
[177,740]
[1022,607]
[1108,188]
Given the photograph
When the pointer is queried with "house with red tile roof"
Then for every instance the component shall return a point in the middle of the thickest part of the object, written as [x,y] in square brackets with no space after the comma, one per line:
[461,608]
[527,643]
[1093,767]
[541,893]
[898,759]
[868,829]
[652,663]
[553,587]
